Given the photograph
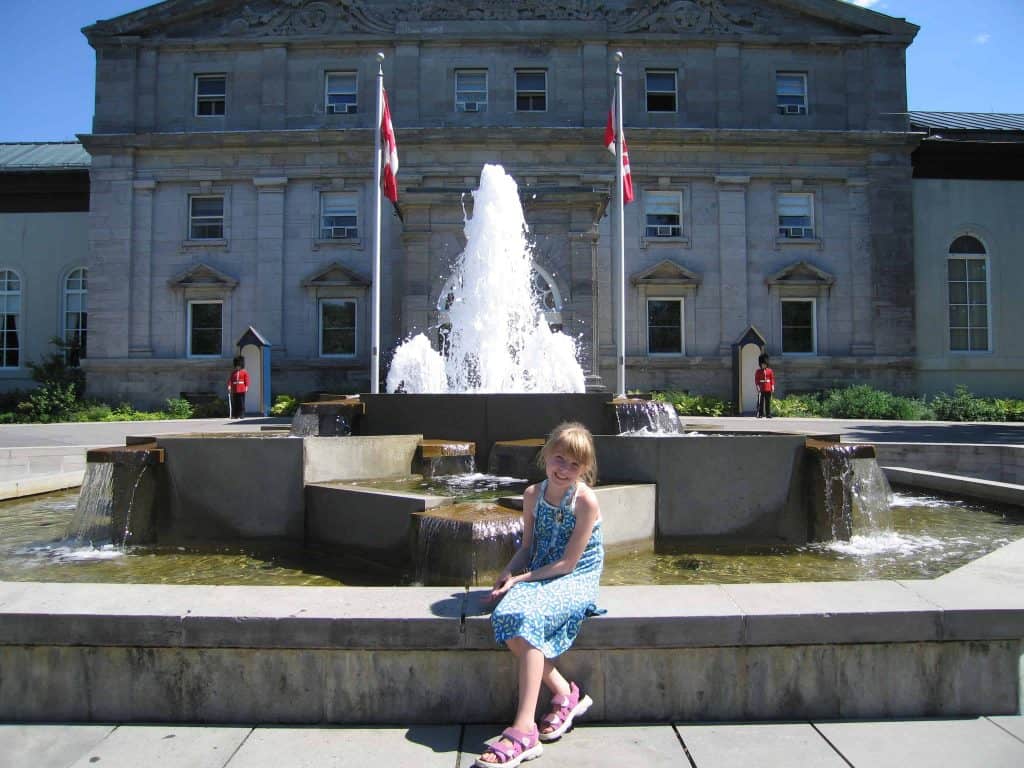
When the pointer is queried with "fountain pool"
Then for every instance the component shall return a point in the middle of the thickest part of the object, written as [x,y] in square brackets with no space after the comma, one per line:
[931,536]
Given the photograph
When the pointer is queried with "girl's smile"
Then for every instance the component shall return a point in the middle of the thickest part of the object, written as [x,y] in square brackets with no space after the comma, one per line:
[562,470]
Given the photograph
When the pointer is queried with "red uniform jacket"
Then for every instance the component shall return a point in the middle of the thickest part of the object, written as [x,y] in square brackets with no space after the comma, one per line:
[238,382]
[764,380]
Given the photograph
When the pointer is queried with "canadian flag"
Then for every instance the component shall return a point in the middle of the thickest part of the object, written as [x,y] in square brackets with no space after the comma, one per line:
[390,149]
[609,142]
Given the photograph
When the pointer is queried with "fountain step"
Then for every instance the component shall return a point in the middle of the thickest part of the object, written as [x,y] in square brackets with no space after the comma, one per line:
[959,485]
[517,458]
[136,454]
[444,457]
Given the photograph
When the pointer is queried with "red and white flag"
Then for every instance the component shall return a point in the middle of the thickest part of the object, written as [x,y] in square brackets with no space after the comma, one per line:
[609,142]
[389,147]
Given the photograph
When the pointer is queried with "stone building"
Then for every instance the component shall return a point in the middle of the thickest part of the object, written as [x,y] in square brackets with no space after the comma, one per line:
[44,255]
[232,184]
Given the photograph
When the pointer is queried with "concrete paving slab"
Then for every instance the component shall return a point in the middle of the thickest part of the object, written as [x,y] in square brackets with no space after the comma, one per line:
[604,746]
[834,612]
[741,745]
[168,746]
[417,747]
[48,746]
[912,743]
[1014,724]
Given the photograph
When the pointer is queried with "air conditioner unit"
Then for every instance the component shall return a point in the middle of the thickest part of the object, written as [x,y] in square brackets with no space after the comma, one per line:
[470,106]
[665,231]
[351,109]
[797,233]
[341,233]
[795,109]
[331,109]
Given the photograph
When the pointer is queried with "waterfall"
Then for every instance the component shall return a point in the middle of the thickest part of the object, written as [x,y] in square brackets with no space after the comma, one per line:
[646,417]
[855,496]
[465,543]
[91,524]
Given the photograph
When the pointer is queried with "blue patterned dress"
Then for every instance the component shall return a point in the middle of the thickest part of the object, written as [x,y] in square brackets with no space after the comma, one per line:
[548,614]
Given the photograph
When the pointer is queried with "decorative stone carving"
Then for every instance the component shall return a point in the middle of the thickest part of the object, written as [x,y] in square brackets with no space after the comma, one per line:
[502,10]
[308,17]
[692,16]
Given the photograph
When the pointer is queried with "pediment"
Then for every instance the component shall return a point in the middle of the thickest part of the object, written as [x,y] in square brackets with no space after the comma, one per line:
[199,19]
[801,273]
[334,275]
[202,275]
[666,272]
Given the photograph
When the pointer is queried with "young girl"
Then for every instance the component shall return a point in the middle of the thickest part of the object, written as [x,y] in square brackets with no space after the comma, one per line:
[547,589]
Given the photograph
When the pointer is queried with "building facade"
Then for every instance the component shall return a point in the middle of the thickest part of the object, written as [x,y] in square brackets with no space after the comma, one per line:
[232,184]
[44,255]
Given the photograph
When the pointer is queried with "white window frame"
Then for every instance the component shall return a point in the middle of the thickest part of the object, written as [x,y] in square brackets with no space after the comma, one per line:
[674,92]
[350,107]
[681,301]
[814,325]
[82,292]
[211,98]
[531,93]
[326,301]
[188,329]
[791,232]
[663,231]
[967,257]
[9,296]
[352,232]
[205,220]
[790,103]
[479,101]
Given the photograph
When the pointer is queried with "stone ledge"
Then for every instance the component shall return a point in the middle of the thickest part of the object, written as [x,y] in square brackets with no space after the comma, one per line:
[960,485]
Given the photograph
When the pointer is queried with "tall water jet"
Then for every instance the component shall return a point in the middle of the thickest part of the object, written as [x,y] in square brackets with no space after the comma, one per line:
[498,340]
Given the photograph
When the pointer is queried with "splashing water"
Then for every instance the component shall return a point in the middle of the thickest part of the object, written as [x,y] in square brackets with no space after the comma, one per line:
[499,340]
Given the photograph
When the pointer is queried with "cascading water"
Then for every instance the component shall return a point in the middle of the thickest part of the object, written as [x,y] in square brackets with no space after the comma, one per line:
[646,417]
[499,340]
[856,496]
[94,512]
[465,543]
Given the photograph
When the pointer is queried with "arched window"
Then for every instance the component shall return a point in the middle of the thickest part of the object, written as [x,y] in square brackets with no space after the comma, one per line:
[75,314]
[10,318]
[967,277]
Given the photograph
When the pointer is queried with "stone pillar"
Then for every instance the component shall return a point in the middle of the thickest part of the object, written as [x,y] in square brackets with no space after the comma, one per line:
[596,84]
[862,332]
[728,85]
[412,284]
[583,261]
[732,259]
[145,117]
[141,278]
[404,80]
[268,316]
[273,83]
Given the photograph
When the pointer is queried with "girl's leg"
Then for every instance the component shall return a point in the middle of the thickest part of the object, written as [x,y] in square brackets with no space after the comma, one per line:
[553,680]
[531,670]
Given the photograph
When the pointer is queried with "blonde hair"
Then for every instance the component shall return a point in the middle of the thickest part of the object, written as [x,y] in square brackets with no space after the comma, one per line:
[578,444]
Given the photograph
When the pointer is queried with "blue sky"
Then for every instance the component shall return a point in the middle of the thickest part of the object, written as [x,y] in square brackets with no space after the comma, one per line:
[966,58]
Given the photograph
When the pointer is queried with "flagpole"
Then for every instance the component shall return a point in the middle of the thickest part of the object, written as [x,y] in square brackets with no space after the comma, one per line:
[619,262]
[375,295]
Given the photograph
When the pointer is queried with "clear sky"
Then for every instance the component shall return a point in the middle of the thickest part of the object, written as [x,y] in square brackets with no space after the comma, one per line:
[966,58]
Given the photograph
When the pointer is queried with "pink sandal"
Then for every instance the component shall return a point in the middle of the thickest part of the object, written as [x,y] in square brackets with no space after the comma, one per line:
[565,709]
[521,746]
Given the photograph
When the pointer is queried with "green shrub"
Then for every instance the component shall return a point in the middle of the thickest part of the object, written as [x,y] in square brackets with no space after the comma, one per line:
[963,406]
[50,402]
[284,405]
[1013,410]
[211,409]
[92,412]
[797,406]
[864,402]
[178,408]
[694,405]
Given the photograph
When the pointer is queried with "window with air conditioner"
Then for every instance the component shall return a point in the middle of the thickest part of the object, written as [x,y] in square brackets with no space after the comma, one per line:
[470,90]
[338,216]
[791,93]
[661,90]
[663,214]
[531,90]
[340,93]
[796,215]
[211,95]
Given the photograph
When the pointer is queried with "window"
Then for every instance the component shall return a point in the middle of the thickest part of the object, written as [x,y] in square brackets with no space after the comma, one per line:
[337,327]
[338,218]
[791,93]
[663,214]
[10,314]
[798,331]
[796,215]
[967,269]
[211,95]
[470,90]
[661,91]
[531,90]
[664,326]
[206,217]
[75,315]
[205,328]
[341,97]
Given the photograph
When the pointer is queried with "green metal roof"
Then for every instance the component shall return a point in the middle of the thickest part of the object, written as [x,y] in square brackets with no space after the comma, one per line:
[44,156]
[967,121]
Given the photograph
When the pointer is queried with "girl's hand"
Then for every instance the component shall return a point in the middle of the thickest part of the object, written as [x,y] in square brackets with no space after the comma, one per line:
[504,583]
